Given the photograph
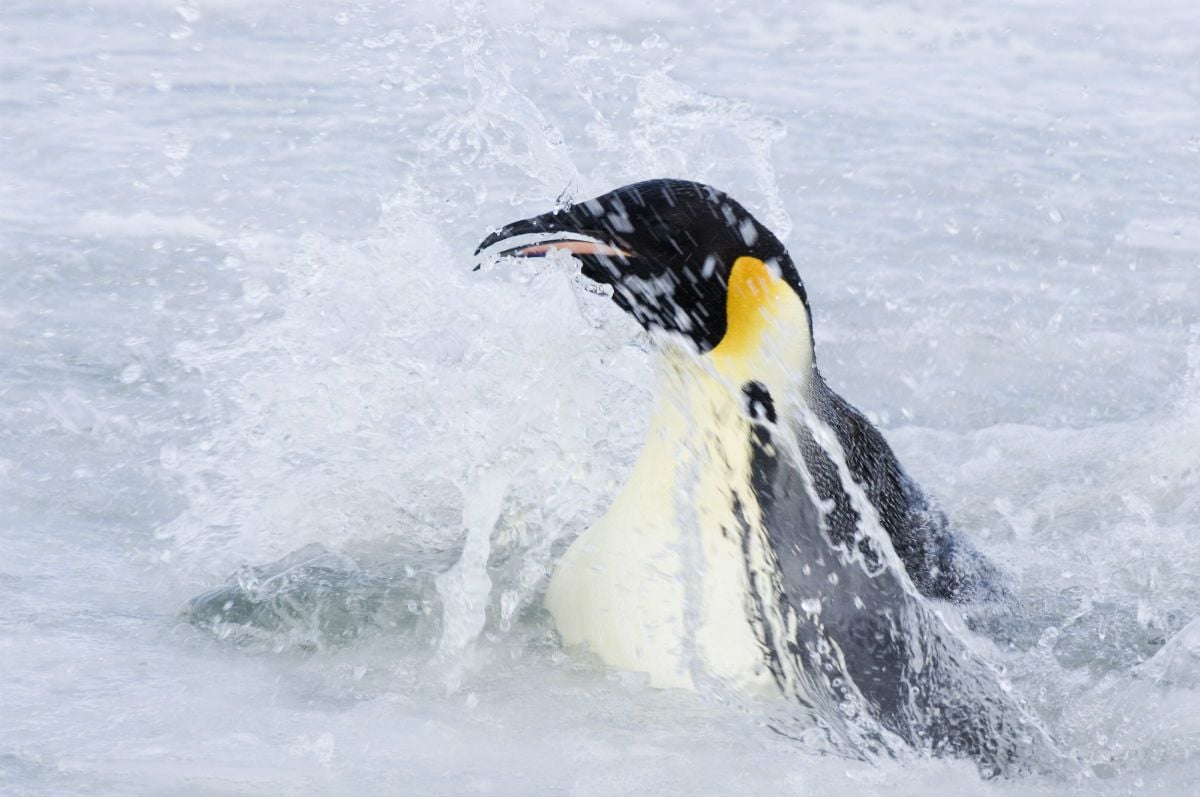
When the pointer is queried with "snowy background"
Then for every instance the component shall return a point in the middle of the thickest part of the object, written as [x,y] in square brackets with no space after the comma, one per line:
[238,321]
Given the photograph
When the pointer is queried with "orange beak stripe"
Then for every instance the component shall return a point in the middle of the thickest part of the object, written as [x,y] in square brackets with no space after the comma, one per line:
[574,247]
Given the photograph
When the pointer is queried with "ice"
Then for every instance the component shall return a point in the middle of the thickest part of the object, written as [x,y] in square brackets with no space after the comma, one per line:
[241,338]
[1178,662]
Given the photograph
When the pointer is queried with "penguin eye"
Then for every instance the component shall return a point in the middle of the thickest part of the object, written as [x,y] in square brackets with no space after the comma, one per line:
[658,232]
[666,237]
[659,229]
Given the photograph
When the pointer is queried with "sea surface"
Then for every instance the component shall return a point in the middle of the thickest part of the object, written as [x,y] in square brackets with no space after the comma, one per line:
[244,356]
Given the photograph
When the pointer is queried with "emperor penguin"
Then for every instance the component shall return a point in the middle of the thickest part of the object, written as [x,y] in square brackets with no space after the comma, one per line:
[767,538]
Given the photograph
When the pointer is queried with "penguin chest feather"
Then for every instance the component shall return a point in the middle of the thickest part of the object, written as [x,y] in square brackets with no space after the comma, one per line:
[678,580]
[663,583]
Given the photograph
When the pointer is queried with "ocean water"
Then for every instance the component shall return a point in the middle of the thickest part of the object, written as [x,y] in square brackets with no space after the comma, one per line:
[245,357]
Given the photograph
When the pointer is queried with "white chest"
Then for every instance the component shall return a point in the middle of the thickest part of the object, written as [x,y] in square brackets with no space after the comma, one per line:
[676,580]
[661,584]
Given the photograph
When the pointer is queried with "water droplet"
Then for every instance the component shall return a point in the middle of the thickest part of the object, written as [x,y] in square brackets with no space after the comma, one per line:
[178,150]
[131,373]
[188,11]
[254,291]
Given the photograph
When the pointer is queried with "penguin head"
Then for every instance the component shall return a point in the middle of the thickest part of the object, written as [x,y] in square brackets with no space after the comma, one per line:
[681,257]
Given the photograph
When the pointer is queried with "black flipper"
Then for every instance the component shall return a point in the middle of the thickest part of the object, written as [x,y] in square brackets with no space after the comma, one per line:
[941,563]
[859,637]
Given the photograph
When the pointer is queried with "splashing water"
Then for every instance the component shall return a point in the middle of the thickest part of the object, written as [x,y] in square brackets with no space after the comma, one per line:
[241,335]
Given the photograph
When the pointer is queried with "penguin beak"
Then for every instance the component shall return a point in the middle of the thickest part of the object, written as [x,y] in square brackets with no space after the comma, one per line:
[536,237]
[596,236]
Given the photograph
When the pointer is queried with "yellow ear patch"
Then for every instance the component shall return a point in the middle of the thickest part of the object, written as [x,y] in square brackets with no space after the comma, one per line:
[750,304]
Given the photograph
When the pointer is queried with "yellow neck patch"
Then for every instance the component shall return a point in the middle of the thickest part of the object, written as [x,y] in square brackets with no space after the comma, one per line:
[750,304]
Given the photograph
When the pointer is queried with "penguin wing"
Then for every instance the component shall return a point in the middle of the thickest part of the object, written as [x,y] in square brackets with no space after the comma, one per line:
[940,562]
[857,637]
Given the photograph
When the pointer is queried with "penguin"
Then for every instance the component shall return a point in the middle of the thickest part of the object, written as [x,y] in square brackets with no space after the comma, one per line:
[767,539]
